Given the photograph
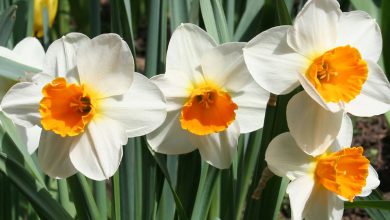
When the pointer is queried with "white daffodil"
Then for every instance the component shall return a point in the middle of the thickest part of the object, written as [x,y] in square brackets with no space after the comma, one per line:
[88,100]
[332,54]
[321,183]
[211,98]
[29,53]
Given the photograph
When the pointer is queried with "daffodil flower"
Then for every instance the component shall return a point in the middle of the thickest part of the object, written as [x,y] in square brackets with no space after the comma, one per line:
[332,54]
[88,101]
[39,5]
[211,98]
[29,53]
[321,183]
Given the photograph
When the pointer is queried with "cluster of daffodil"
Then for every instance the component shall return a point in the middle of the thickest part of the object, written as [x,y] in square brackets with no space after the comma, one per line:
[87,101]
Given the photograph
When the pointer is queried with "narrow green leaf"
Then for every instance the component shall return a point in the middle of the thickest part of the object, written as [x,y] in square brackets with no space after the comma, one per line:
[252,10]
[179,13]
[205,192]
[220,20]
[385,26]
[82,197]
[153,38]
[116,197]
[166,205]
[378,204]
[37,195]
[7,21]
[247,167]
[162,165]
[20,151]
[194,12]
[95,17]
[101,197]
[21,22]
[209,19]
[230,16]
[369,7]
[375,213]
[63,196]
[14,71]
[46,28]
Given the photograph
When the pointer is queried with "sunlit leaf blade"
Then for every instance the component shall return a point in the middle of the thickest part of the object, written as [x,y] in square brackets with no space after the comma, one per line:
[209,177]
[7,21]
[251,13]
[209,20]
[376,213]
[368,6]
[82,197]
[162,165]
[153,38]
[179,12]
[23,23]
[13,70]
[376,204]
[220,20]
[44,204]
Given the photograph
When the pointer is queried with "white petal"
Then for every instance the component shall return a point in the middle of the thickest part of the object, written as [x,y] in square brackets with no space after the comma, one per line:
[315,28]
[313,127]
[374,98]
[21,104]
[225,66]
[106,64]
[272,63]
[30,137]
[218,149]
[251,101]
[286,159]
[344,138]
[60,58]
[187,45]
[299,192]
[28,52]
[31,52]
[372,182]
[53,155]
[170,138]
[141,110]
[323,205]
[98,151]
[176,93]
[367,38]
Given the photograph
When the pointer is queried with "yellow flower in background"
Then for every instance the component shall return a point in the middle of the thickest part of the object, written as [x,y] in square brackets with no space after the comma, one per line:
[332,54]
[320,183]
[39,5]
[211,98]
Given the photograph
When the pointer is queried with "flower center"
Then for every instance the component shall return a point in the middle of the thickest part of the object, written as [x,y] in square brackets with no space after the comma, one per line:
[208,110]
[343,172]
[66,108]
[339,74]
